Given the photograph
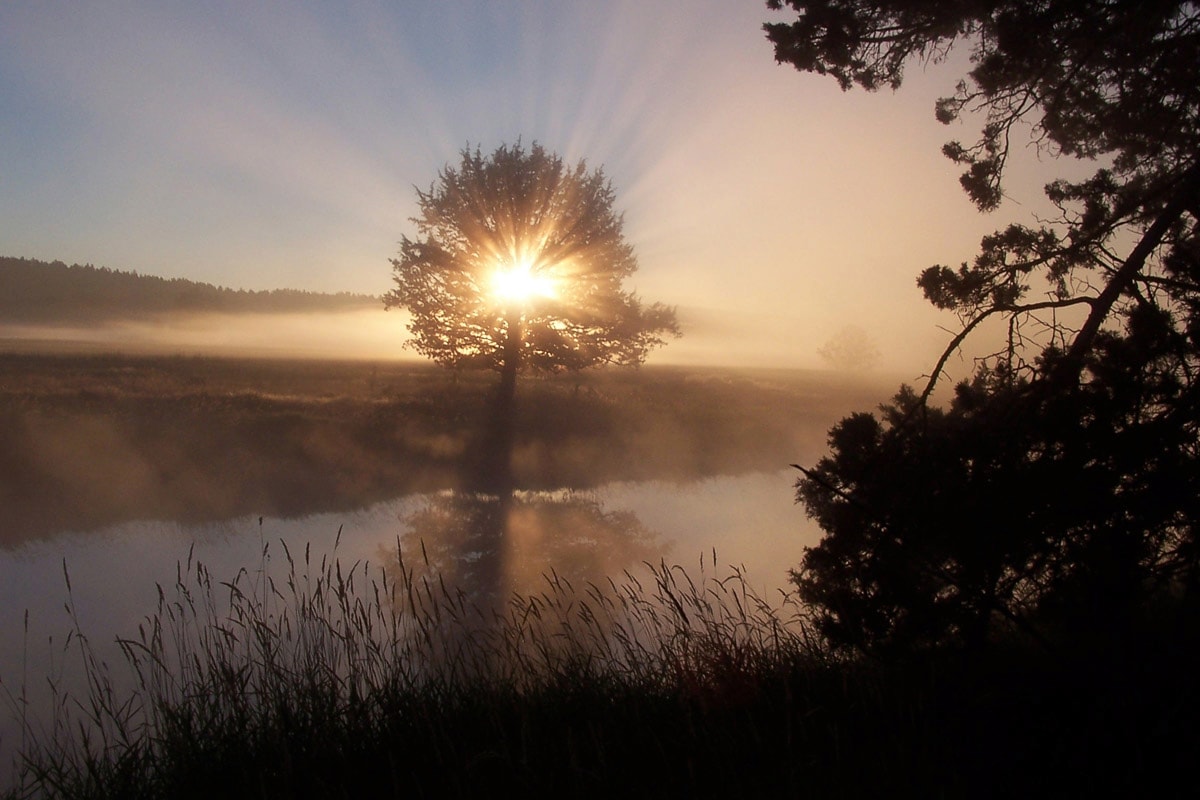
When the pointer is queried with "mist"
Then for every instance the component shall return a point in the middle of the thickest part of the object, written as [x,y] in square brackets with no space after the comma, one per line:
[712,337]
[97,439]
[352,335]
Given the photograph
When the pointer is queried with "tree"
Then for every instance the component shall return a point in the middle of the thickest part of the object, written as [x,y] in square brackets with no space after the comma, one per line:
[519,262]
[1109,403]
[850,349]
[1057,517]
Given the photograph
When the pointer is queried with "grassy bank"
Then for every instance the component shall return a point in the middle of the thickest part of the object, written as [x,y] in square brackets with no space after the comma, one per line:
[343,681]
[87,441]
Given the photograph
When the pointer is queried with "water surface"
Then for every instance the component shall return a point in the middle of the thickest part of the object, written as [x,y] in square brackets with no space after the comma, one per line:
[750,521]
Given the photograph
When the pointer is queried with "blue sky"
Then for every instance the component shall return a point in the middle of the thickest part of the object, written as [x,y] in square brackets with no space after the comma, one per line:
[265,145]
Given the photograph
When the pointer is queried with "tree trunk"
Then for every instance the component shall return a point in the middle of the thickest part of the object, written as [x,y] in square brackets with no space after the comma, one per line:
[507,392]
[498,441]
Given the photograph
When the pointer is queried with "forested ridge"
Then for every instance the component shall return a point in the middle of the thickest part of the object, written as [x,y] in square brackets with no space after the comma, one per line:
[41,292]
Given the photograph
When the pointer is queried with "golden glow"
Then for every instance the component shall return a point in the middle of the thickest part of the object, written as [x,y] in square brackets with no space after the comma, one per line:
[521,283]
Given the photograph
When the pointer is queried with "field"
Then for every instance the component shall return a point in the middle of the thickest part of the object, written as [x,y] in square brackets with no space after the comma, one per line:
[90,440]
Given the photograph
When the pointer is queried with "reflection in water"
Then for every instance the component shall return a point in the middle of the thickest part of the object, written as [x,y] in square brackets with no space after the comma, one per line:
[494,545]
[491,541]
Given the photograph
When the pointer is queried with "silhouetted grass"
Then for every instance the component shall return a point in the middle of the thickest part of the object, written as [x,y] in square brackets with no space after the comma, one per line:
[344,681]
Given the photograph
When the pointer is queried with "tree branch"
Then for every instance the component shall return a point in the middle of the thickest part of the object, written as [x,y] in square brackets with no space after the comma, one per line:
[820,480]
[1129,271]
[957,341]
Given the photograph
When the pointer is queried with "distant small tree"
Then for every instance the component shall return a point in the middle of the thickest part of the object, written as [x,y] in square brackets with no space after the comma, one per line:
[518,263]
[850,349]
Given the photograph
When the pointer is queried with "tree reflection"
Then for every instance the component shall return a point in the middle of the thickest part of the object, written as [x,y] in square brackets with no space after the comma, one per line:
[491,546]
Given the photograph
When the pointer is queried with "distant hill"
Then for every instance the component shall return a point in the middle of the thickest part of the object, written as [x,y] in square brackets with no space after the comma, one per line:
[40,292]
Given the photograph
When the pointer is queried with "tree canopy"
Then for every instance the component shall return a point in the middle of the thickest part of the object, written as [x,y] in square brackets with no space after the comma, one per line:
[1065,474]
[519,262]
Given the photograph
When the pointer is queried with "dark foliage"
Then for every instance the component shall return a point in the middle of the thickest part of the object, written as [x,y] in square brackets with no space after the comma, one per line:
[1063,518]
[1094,79]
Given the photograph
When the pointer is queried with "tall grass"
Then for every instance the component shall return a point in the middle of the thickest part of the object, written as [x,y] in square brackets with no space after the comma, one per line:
[346,680]
[337,679]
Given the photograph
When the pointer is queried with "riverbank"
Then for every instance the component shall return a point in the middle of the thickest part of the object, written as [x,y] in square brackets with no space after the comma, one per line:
[88,440]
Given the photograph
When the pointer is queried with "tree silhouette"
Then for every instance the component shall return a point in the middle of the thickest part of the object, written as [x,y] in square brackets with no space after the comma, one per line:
[519,262]
[1057,495]
[1061,518]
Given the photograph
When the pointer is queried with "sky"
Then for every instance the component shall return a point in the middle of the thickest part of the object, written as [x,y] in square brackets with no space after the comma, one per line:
[279,145]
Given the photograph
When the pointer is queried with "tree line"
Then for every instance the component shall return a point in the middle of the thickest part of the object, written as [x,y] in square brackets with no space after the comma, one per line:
[41,292]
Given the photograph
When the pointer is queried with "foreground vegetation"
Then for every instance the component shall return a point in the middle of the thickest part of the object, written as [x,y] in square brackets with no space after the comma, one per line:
[344,681]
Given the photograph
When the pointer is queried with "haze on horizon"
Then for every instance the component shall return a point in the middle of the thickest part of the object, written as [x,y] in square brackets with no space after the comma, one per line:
[277,146]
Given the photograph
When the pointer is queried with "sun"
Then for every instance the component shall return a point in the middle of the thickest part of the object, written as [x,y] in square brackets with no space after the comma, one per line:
[521,283]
